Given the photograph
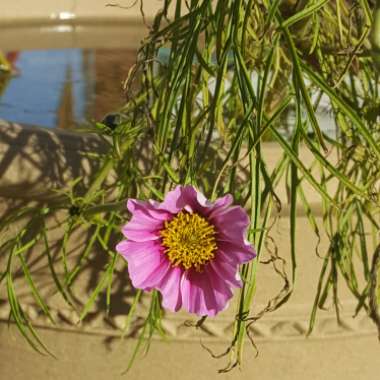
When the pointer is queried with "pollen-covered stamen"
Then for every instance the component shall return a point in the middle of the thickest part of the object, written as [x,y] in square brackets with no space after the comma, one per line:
[189,240]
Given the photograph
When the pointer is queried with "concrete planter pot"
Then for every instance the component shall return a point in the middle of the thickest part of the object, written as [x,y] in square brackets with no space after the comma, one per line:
[32,160]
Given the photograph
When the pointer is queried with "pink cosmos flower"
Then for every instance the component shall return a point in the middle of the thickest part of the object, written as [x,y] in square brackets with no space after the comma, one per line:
[188,248]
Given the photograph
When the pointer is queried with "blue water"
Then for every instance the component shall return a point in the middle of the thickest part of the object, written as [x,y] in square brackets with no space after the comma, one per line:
[33,95]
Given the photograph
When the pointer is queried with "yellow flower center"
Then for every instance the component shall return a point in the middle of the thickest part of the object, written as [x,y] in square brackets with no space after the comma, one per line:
[189,240]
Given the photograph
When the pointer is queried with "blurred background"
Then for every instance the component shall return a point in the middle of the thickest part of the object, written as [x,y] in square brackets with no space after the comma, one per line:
[63,62]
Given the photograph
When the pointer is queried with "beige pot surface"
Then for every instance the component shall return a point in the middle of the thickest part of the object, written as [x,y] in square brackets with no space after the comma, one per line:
[84,356]
[94,349]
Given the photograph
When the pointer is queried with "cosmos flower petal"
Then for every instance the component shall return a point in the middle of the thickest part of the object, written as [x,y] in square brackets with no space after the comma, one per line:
[235,214]
[145,222]
[141,278]
[175,200]
[204,293]
[194,293]
[131,250]
[207,208]
[227,271]
[170,288]
[187,196]
[220,287]
[222,203]
[232,224]
[139,235]
[144,210]
[156,276]
[236,253]
[146,264]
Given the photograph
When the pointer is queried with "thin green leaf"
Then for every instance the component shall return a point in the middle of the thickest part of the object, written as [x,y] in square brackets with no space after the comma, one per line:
[306,12]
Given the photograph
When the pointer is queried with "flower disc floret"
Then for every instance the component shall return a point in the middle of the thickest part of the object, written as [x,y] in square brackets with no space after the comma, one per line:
[189,240]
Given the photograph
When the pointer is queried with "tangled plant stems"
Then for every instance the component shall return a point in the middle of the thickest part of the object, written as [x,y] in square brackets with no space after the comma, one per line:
[188,248]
